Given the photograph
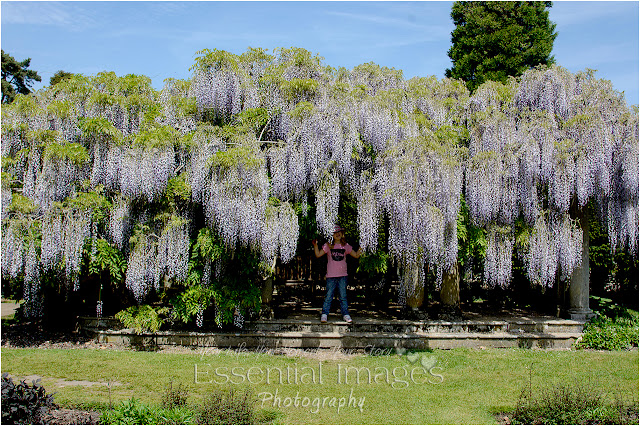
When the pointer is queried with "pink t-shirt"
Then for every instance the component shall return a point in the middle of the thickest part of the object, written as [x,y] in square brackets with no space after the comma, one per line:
[337,259]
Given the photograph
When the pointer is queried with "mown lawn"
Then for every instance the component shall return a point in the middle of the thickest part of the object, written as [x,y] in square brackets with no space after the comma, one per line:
[448,387]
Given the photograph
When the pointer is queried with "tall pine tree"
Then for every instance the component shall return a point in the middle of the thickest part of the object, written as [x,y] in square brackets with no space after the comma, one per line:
[494,40]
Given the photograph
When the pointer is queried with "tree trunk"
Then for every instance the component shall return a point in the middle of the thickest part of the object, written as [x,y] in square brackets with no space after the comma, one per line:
[415,291]
[579,282]
[266,296]
[450,294]
[450,289]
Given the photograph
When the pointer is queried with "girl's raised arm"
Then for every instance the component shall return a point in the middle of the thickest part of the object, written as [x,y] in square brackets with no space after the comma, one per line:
[318,252]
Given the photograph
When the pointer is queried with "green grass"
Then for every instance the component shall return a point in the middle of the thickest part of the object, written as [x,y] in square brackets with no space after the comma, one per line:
[475,384]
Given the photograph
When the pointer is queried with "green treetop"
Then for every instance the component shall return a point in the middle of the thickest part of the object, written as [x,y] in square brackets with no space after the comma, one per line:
[494,40]
[59,76]
[16,77]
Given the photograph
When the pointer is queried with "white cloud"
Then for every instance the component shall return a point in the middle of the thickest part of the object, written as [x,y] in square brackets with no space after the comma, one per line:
[188,36]
[66,15]
[437,31]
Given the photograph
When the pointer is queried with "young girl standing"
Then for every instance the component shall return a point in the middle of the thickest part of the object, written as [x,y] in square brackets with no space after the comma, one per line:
[336,253]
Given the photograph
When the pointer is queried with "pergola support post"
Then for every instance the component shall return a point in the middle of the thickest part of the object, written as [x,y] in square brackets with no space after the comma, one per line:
[579,282]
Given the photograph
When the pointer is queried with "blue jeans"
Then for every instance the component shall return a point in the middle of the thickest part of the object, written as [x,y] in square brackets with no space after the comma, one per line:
[341,283]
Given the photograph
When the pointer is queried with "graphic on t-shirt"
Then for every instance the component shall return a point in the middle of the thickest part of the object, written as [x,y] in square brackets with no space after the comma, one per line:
[337,254]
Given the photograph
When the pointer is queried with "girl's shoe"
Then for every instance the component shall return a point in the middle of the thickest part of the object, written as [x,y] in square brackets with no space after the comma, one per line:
[323,318]
[347,319]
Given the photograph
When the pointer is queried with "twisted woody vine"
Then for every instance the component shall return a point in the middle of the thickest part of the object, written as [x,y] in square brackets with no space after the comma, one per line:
[180,185]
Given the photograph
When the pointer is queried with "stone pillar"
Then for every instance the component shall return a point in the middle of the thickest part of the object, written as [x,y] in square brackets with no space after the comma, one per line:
[579,282]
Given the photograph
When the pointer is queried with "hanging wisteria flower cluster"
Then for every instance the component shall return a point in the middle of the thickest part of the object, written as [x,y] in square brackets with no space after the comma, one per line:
[554,247]
[31,290]
[220,85]
[177,106]
[368,213]
[280,233]
[119,227]
[155,258]
[144,172]
[13,251]
[236,195]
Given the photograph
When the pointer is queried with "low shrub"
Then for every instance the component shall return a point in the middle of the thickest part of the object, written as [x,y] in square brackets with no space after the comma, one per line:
[619,331]
[23,403]
[130,412]
[178,415]
[136,412]
[227,407]
[221,407]
[571,404]
[174,397]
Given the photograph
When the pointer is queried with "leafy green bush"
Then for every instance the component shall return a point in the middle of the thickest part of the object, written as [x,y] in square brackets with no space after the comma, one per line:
[131,412]
[134,412]
[175,416]
[570,404]
[232,292]
[107,258]
[23,403]
[374,263]
[142,318]
[613,328]
[187,304]
[267,417]
[607,334]
[227,407]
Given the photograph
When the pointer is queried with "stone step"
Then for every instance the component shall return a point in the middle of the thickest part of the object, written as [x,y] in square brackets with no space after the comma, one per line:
[369,325]
[351,340]
[361,334]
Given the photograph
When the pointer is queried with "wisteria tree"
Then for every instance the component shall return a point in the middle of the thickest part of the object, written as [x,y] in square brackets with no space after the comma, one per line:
[204,186]
[541,147]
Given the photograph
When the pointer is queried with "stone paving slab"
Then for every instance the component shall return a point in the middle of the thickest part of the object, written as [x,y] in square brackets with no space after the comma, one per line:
[8,308]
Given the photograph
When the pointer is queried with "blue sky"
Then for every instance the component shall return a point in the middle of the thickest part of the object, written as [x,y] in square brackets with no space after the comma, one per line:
[159,39]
